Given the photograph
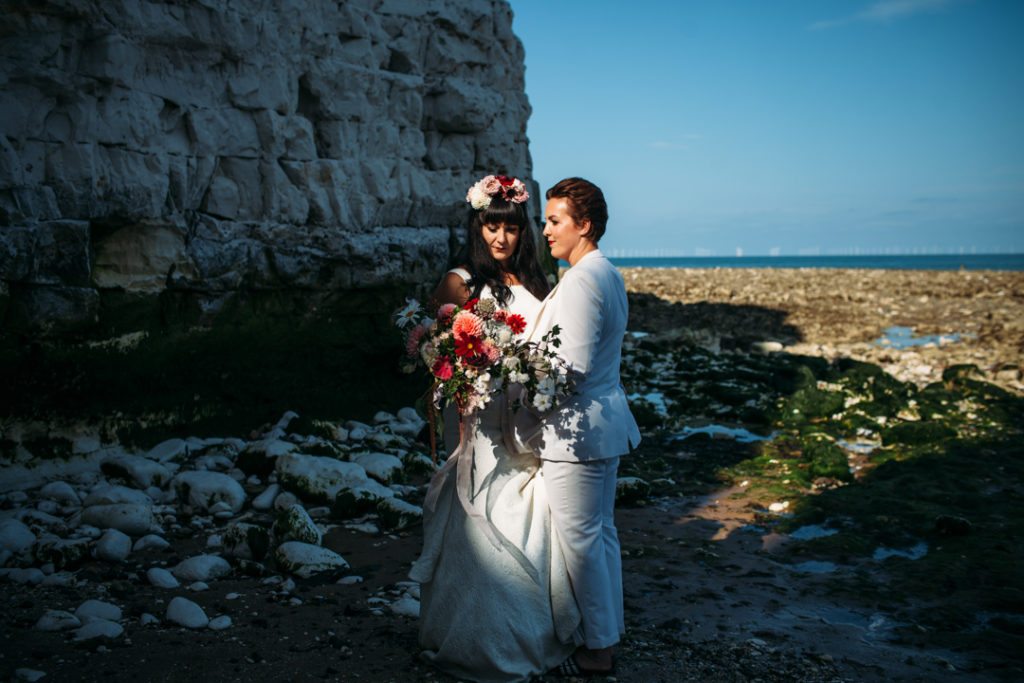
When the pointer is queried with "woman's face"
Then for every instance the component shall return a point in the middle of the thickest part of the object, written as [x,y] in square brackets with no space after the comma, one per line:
[501,239]
[564,235]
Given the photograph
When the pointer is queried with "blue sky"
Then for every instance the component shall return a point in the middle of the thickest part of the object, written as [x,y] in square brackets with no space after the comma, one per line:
[784,127]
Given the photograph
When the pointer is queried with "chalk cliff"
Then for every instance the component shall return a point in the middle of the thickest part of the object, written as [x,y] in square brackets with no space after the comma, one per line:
[164,159]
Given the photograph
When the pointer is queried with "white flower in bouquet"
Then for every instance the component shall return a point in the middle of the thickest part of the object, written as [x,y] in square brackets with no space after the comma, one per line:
[511,363]
[482,384]
[546,386]
[502,336]
[408,314]
[542,402]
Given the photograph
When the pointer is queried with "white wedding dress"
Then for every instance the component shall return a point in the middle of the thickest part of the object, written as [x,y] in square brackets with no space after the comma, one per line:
[496,603]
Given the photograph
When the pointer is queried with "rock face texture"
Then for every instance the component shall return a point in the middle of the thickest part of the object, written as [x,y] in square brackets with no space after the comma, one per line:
[170,158]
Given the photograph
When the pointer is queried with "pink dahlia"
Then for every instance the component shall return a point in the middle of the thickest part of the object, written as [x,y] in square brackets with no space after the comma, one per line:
[467,325]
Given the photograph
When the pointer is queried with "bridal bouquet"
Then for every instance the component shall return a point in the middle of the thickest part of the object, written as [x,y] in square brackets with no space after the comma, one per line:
[473,352]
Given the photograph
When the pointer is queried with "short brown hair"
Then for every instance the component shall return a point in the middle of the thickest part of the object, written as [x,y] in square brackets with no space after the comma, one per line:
[586,203]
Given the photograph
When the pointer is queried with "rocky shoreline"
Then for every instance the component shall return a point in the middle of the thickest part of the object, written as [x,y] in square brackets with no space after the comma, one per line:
[835,313]
[764,398]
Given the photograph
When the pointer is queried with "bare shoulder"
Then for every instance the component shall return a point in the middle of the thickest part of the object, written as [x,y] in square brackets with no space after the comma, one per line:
[452,290]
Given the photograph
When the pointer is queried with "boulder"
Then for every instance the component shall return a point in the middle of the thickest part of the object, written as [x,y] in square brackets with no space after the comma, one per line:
[295,524]
[306,560]
[204,490]
[317,478]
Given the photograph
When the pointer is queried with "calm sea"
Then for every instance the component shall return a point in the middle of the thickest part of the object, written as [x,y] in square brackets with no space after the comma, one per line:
[908,262]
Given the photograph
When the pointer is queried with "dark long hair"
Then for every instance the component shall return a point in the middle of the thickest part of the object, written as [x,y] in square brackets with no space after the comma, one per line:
[523,263]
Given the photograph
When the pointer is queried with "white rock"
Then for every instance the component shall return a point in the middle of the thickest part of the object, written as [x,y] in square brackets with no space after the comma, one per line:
[198,586]
[85,444]
[220,623]
[411,587]
[15,536]
[201,568]
[150,542]
[186,613]
[110,494]
[17,497]
[147,619]
[305,560]
[765,347]
[214,541]
[143,471]
[396,514]
[286,419]
[132,518]
[349,580]
[271,447]
[265,500]
[60,491]
[317,477]
[96,609]
[57,620]
[62,552]
[48,506]
[408,414]
[30,675]
[113,546]
[161,578]
[205,489]
[406,605]
[66,579]
[31,575]
[383,467]
[285,500]
[98,628]
[170,450]
[295,524]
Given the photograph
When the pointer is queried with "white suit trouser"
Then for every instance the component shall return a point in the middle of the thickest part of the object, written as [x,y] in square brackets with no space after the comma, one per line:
[582,500]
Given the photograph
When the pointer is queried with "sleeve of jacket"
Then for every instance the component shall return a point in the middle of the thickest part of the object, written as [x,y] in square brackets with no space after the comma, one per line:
[578,314]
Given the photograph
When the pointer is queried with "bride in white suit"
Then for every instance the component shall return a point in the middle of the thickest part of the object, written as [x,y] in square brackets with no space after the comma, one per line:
[580,444]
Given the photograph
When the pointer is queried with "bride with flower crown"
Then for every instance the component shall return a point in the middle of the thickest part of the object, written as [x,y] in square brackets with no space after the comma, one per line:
[496,604]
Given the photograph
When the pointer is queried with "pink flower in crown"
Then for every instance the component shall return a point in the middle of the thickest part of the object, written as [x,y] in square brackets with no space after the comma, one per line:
[467,325]
[491,185]
[516,192]
[412,344]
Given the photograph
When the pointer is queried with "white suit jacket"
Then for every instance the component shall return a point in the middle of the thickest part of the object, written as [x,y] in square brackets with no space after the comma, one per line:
[589,305]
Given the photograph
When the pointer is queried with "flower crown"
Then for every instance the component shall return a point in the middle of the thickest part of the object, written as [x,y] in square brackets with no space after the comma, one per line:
[488,187]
